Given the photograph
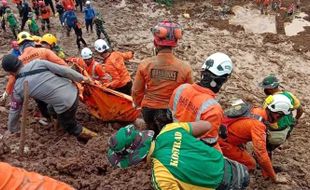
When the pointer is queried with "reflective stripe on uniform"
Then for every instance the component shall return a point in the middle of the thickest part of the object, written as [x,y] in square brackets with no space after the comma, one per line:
[204,107]
[176,99]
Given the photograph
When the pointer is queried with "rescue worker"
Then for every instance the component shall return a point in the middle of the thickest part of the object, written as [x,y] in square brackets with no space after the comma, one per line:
[11,19]
[79,35]
[30,53]
[18,6]
[89,15]
[158,76]
[15,49]
[25,14]
[69,19]
[193,102]
[35,7]
[114,63]
[98,21]
[50,41]
[2,13]
[252,127]
[51,4]
[68,4]
[178,159]
[93,68]
[12,177]
[53,88]
[60,10]
[45,14]
[280,131]
[32,25]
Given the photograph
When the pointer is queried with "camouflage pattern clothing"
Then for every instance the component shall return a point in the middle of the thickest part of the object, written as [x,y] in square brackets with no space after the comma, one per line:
[98,21]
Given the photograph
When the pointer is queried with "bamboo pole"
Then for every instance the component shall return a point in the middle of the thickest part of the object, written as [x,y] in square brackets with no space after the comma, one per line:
[24,118]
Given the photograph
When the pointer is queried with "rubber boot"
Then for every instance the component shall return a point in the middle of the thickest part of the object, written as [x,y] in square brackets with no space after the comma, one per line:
[87,134]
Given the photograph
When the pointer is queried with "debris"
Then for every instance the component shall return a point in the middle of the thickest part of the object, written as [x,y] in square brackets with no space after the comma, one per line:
[186,15]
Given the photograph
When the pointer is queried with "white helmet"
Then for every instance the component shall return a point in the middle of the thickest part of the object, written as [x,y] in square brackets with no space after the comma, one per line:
[279,103]
[219,64]
[101,46]
[86,53]
[87,3]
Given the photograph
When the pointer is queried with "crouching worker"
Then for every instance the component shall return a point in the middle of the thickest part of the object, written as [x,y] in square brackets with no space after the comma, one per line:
[18,178]
[48,82]
[244,123]
[179,160]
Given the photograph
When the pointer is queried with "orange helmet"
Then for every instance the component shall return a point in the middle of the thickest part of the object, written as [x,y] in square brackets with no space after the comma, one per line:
[167,33]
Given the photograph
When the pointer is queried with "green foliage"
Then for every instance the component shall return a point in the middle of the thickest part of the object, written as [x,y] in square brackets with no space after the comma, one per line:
[166,2]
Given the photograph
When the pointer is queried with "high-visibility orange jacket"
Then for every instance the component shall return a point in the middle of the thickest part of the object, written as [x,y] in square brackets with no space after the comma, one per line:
[115,66]
[67,3]
[245,130]
[94,70]
[13,178]
[156,79]
[32,53]
[191,102]
[45,12]
[17,1]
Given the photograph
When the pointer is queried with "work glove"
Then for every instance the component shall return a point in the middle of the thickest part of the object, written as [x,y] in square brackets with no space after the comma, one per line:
[4,96]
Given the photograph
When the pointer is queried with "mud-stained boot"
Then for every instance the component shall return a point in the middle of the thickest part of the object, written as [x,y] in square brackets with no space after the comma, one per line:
[87,134]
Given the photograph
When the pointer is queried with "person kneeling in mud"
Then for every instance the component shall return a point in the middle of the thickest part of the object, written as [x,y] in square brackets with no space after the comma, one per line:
[280,131]
[179,160]
[48,82]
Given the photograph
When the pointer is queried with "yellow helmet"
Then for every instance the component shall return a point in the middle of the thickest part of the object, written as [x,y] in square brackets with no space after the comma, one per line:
[49,38]
[22,36]
[37,39]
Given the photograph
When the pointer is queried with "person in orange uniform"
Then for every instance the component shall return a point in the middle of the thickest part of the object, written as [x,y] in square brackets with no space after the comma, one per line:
[93,68]
[29,53]
[194,102]
[114,63]
[45,14]
[158,76]
[13,178]
[68,3]
[253,128]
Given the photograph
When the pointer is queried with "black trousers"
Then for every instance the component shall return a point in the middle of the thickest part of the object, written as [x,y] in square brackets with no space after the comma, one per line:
[67,119]
[89,24]
[126,89]
[51,4]
[47,22]
[149,115]
[24,20]
[80,39]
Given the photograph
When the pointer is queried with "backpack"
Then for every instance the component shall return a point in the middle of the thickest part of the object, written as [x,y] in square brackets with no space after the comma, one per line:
[235,113]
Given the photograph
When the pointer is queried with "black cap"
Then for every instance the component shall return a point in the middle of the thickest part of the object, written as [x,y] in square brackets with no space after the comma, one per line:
[10,63]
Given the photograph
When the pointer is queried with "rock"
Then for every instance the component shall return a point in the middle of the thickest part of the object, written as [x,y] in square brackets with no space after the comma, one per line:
[248,75]
[186,15]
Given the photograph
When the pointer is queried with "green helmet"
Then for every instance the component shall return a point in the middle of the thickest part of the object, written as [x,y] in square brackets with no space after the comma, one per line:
[270,82]
[129,146]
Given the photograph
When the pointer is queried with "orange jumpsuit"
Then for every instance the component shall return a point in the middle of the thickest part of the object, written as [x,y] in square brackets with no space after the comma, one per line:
[156,79]
[116,68]
[17,2]
[13,178]
[67,3]
[32,53]
[94,70]
[45,12]
[245,130]
[191,102]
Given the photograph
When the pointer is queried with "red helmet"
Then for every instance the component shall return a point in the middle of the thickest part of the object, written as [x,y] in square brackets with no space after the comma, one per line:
[41,3]
[14,44]
[166,33]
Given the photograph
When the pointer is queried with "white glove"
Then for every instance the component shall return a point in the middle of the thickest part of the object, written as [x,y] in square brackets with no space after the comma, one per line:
[4,96]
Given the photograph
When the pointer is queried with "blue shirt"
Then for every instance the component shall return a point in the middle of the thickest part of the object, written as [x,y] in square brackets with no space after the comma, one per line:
[15,52]
[89,13]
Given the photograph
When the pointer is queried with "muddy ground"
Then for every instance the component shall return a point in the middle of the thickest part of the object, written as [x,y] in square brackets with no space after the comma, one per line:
[84,166]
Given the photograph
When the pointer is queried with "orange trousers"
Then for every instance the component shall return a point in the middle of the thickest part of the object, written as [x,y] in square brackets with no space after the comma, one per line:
[238,154]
